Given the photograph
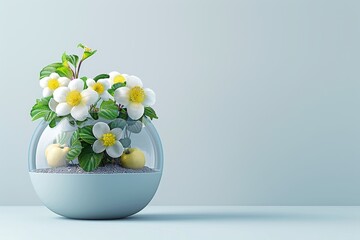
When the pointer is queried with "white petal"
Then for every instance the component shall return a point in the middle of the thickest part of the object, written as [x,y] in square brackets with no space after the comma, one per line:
[90,82]
[135,110]
[53,104]
[80,112]
[133,81]
[115,150]
[89,96]
[121,95]
[54,75]
[117,132]
[150,97]
[113,74]
[105,96]
[100,129]
[105,83]
[63,109]
[64,81]
[76,84]
[98,146]
[60,94]
[47,92]
[44,82]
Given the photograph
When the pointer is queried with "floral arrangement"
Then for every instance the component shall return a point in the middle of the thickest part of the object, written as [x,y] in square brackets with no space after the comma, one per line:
[105,110]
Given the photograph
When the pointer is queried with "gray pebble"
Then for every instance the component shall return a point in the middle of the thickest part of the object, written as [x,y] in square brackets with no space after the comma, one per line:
[107,169]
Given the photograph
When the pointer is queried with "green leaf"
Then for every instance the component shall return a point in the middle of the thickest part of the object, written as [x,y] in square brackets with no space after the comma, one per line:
[89,160]
[80,123]
[84,80]
[108,110]
[94,115]
[101,76]
[63,137]
[75,137]
[64,71]
[126,142]
[150,112]
[75,150]
[123,114]
[54,121]
[63,58]
[41,109]
[46,71]
[88,54]
[38,112]
[50,116]
[116,86]
[73,59]
[80,45]
[118,123]
[134,126]
[86,134]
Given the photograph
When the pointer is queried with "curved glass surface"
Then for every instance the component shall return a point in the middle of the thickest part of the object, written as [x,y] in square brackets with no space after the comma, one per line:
[148,141]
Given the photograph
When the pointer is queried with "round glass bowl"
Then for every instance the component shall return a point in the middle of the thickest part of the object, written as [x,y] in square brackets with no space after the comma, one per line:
[95,195]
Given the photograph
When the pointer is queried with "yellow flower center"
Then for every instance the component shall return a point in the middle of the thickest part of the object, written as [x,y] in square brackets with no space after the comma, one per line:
[73,98]
[53,84]
[87,49]
[119,79]
[98,87]
[108,139]
[137,94]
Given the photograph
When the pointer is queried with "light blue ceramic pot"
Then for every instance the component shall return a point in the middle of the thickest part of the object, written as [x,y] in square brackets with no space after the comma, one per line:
[96,196]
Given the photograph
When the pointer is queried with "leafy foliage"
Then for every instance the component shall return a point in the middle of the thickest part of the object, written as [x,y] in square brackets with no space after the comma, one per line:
[62,138]
[75,137]
[123,114]
[41,109]
[54,121]
[108,110]
[82,139]
[75,150]
[134,126]
[150,112]
[115,86]
[64,71]
[87,51]
[101,76]
[73,59]
[89,160]
[118,123]
[47,70]
[85,134]
[126,142]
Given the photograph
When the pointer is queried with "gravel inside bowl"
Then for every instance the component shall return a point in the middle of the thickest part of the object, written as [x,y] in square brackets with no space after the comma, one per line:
[107,169]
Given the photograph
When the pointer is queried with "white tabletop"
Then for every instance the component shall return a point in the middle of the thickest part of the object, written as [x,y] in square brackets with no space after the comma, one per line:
[165,222]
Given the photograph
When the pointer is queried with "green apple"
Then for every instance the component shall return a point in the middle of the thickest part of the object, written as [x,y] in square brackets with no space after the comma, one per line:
[132,158]
[56,155]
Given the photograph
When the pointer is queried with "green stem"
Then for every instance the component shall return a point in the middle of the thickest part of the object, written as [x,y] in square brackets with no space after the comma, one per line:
[73,74]
[78,69]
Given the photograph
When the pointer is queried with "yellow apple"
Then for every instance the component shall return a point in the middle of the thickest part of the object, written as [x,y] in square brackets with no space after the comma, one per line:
[132,158]
[56,155]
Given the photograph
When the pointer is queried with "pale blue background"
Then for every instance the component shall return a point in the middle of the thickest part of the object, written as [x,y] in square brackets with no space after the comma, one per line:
[258,100]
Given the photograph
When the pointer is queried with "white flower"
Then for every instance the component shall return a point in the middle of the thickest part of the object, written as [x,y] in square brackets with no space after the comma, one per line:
[74,100]
[101,87]
[116,77]
[54,81]
[134,97]
[107,140]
